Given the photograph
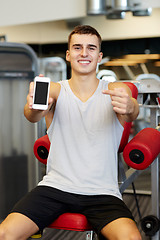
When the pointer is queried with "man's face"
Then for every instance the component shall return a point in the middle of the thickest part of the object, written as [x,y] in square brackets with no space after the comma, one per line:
[83,53]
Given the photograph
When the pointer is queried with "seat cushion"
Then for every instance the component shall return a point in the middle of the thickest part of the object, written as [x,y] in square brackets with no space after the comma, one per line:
[71,221]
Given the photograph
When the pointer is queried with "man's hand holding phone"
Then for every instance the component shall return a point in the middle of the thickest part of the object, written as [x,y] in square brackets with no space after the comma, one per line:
[38,97]
[40,93]
[41,98]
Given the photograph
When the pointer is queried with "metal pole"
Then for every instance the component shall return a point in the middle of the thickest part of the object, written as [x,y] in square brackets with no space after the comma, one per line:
[155,176]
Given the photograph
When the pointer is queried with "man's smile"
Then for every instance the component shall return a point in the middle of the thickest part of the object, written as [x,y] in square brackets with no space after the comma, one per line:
[84,61]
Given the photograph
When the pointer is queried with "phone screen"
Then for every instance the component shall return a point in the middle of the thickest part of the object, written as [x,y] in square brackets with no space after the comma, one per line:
[41,93]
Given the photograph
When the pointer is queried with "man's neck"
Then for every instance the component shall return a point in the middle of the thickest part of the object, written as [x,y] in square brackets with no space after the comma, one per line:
[83,86]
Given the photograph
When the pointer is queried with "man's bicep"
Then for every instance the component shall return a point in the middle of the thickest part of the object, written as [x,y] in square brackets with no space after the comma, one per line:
[54,90]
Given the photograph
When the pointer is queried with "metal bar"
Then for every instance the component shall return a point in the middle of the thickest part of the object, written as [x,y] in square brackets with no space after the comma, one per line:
[155,177]
[121,171]
[131,175]
[150,106]
[89,235]
[129,72]
[144,68]
[155,192]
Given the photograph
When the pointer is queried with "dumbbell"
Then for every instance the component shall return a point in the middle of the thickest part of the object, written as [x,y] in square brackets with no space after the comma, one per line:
[141,151]
[41,149]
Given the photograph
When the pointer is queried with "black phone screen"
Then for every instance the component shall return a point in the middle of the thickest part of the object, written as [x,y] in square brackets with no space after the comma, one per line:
[41,93]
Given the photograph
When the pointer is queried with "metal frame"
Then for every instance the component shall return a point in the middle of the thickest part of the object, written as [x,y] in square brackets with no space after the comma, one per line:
[20,47]
[90,235]
[150,84]
[10,47]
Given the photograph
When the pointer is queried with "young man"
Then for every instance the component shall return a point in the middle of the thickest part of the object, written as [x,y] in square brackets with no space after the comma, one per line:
[85,120]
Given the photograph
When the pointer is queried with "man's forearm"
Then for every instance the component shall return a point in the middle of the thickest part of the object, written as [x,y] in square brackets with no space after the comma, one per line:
[32,115]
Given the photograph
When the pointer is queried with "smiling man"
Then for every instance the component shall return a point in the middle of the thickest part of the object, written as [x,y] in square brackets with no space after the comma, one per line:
[84,119]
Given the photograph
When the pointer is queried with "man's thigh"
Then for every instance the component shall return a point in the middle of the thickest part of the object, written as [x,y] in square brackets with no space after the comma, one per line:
[42,205]
[102,210]
[121,228]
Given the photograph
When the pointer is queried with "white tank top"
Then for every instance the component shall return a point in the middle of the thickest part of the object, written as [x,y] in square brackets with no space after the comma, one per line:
[84,137]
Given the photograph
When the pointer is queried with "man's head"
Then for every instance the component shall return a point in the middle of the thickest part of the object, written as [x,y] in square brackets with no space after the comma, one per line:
[84,50]
[85,29]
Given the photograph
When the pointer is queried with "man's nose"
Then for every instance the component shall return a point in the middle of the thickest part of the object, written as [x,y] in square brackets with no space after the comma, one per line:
[84,52]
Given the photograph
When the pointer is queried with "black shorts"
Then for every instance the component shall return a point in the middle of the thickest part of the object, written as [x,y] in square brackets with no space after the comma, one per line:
[44,204]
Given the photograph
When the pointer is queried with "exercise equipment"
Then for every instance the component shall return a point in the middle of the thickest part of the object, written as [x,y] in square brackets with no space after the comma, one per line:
[148,92]
[18,172]
[107,75]
[141,151]
[41,149]
[151,88]
[150,225]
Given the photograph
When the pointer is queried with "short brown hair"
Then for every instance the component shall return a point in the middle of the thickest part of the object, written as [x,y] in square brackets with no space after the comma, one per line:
[84,29]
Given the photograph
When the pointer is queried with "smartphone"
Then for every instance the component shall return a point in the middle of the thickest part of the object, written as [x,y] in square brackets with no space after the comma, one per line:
[41,93]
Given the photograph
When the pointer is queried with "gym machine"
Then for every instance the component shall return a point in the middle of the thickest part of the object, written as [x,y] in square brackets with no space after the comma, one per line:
[142,151]
[18,171]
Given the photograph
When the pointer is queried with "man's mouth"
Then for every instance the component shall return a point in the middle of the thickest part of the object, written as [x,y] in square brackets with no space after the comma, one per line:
[84,61]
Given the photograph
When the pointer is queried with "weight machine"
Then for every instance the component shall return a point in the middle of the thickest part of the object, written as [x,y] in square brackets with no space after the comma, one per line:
[146,145]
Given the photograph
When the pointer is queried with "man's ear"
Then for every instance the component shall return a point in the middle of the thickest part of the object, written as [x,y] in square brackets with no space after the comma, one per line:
[68,56]
[100,57]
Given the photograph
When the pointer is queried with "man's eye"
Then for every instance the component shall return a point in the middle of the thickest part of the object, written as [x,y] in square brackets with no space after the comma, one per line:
[92,48]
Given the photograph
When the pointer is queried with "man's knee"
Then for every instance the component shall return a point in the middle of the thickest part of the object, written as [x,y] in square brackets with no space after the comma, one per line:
[135,236]
[132,236]
[3,233]
[122,228]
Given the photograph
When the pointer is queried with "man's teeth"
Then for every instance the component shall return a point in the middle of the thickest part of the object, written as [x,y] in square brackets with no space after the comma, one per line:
[84,61]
